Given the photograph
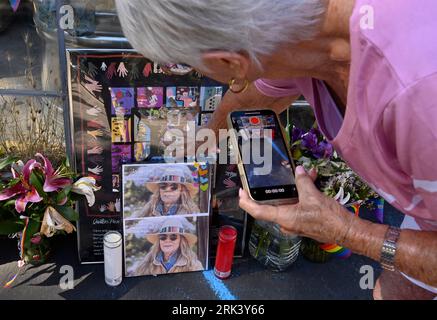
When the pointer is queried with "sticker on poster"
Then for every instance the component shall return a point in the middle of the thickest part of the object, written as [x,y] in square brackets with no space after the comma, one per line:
[120,154]
[182,97]
[150,97]
[210,98]
[121,130]
[122,101]
[142,132]
[141,151]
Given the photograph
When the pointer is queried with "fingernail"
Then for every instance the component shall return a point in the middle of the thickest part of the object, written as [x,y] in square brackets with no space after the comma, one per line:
[300,170]
[240,192]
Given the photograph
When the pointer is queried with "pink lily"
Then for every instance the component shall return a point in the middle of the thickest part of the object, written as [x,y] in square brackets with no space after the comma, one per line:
[54,179]
[23,189]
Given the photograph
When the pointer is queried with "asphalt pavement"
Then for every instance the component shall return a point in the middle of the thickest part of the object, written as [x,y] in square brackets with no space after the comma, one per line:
[336,279]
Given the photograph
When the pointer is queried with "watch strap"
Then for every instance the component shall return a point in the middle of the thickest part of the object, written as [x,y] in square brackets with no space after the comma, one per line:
[389,247]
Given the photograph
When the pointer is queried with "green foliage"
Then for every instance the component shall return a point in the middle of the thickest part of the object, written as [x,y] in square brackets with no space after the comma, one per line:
[67,212]
[37,180]
[8,227]
[5,162]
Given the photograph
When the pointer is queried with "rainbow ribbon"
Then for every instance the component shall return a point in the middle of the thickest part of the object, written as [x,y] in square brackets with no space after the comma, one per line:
[336,250]
[21,262]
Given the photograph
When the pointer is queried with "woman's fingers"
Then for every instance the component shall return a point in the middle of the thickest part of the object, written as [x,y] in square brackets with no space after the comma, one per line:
[313,174]
[260,212]
[305,184]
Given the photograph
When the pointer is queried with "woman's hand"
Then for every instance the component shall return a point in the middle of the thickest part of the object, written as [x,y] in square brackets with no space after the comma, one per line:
[315,215]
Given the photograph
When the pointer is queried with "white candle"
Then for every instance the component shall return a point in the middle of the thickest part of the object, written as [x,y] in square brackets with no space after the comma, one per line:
[112,250]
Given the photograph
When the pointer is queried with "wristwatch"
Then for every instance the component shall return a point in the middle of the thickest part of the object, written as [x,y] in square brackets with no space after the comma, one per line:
[388,250]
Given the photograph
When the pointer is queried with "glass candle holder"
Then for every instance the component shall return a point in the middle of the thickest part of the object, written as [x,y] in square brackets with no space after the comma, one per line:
[225,252]
[112,250]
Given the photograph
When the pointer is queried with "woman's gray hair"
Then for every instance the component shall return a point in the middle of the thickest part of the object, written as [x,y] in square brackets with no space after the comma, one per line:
[179,31]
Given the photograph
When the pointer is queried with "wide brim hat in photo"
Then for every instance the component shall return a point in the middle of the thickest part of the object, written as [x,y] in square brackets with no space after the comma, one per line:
[174,225]
[174,174]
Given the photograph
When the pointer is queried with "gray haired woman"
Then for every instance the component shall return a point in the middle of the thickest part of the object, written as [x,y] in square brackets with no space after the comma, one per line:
[368,69]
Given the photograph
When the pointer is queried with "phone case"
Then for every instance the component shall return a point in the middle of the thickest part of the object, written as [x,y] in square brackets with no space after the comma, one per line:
[244,182]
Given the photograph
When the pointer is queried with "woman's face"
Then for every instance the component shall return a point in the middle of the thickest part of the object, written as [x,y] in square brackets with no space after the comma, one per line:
[169,243]
[169,192]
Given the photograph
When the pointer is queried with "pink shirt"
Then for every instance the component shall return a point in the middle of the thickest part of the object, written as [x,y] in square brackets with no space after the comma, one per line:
[389,133]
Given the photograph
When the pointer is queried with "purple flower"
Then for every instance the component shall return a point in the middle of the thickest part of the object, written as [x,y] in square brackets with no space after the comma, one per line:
[323,150]
[316,132]
[296,134]
[309,141]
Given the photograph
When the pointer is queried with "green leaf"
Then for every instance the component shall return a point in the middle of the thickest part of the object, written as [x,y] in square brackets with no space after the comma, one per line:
[7,161]
[63,194]
[37,181]
[67,212]
[10,226]
[9,203]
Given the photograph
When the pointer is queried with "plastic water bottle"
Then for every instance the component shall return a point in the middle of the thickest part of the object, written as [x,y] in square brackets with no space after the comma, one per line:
[272,248]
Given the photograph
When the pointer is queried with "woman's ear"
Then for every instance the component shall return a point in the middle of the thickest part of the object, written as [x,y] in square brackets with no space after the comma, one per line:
[224,65]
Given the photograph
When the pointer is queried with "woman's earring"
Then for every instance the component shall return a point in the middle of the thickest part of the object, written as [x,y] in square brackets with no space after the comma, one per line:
[232,84]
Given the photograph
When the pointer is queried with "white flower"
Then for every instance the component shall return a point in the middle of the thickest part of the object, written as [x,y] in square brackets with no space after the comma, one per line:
[86,186]
[53,222]
[341,198]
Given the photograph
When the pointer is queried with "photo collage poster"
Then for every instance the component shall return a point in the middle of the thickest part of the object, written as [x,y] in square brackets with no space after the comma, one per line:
[165,218]
[122,104]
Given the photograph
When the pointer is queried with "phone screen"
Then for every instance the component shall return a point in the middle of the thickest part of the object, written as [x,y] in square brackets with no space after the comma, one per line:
[267,181]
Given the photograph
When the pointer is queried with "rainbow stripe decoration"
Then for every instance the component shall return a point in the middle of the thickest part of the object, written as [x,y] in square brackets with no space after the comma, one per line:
[15,4]
[336,250]
[21,262]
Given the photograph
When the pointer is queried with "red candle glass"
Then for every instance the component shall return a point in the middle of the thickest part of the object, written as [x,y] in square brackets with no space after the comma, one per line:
[225,252]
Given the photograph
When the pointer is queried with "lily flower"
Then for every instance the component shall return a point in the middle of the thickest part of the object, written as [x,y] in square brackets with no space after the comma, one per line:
[54,180]
[86,186]
[26,192]
[53,221]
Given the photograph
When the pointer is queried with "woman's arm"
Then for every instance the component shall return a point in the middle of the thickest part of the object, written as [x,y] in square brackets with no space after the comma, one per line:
[416,253]
[252,98]
[324,219]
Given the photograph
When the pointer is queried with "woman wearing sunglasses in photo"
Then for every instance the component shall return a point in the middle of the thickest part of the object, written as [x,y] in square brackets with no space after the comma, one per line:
[369,70]
[173,194]
[171,251]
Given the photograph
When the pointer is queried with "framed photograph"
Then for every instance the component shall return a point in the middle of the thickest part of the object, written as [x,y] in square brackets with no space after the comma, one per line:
[165,217]
[122,105]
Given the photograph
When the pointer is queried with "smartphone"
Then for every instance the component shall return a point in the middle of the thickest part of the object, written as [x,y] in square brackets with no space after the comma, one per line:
[273,182]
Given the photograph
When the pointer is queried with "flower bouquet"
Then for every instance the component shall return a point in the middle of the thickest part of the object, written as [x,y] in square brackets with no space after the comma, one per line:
[311,150]
[36,202]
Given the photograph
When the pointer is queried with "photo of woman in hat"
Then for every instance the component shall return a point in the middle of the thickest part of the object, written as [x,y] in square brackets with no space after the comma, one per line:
[172,249]
[173,193]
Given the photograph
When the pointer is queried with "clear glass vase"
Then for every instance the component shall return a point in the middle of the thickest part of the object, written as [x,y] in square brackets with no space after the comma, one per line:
[272,248]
